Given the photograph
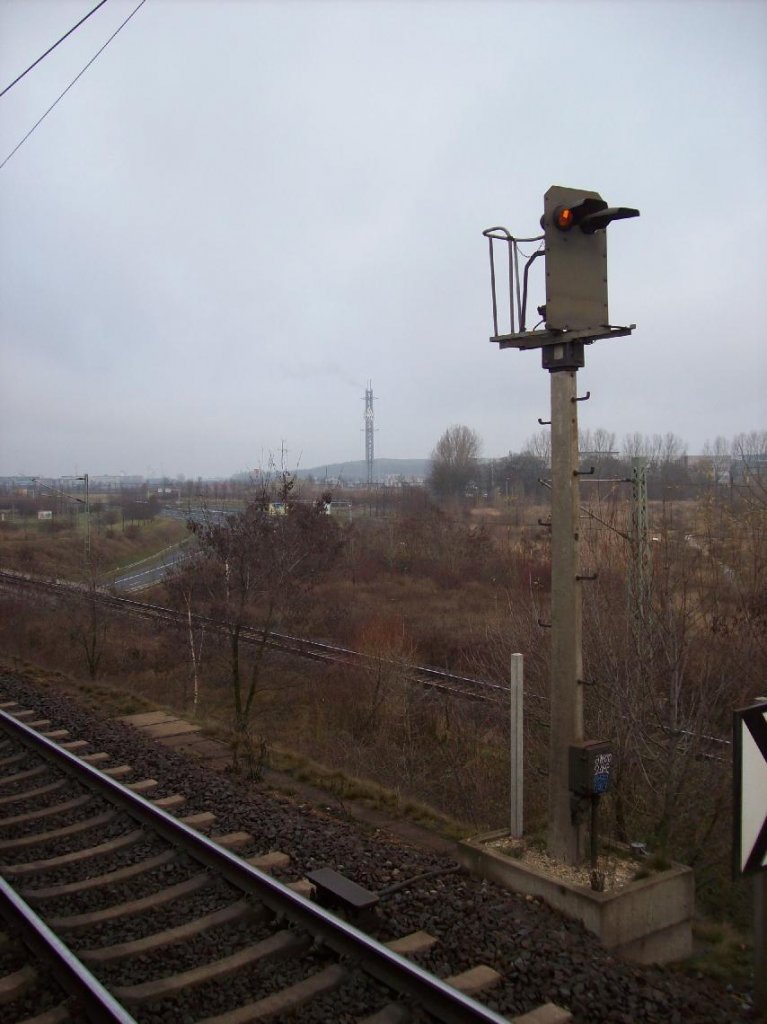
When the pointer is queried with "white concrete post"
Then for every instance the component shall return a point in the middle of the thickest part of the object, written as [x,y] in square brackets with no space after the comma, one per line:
[517,712]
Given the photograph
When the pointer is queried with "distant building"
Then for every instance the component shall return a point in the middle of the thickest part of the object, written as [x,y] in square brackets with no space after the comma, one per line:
[108,482]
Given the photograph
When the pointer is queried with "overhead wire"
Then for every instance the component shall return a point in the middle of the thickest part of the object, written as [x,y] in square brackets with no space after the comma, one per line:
[52,48]
[75,79]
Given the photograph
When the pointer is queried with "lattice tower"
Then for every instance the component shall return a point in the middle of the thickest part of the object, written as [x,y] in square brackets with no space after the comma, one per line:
[369,432]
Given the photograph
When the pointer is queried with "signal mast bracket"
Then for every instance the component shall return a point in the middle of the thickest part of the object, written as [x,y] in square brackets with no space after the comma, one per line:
[540,339]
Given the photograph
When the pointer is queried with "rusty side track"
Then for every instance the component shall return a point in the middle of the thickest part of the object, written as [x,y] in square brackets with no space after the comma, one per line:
[450,683]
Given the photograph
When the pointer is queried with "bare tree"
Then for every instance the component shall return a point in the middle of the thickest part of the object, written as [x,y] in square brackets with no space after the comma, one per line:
[88,629]
[749,452]
[664,693]
[635,446]
[659,450]
[186,587]
[454,461]
[258,561]
[539,445]
[602,441]
[519,474]
[90,623]
[669,447]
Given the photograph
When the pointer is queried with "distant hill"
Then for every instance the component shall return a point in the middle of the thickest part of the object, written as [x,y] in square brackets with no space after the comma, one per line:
[383,469]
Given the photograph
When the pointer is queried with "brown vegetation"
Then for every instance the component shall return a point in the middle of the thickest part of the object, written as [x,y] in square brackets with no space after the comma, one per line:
[462,590]
[57,547]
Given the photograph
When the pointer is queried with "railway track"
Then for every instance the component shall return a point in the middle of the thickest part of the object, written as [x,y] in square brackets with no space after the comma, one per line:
[468,687]
[141,916]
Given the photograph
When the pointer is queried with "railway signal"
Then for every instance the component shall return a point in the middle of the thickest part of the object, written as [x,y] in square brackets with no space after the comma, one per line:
[574,245]
[574,223]
[575,314]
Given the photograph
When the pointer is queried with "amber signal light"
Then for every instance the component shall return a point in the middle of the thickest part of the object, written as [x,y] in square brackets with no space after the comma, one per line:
[564,218]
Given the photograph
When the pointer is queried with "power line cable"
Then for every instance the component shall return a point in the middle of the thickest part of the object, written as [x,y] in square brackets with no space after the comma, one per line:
[52,48]
[75,79]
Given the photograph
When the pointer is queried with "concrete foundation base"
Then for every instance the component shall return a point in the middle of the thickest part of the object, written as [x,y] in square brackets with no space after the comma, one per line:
[646,921]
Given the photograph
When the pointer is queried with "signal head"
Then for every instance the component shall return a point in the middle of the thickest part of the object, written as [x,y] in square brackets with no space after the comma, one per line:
[574,222]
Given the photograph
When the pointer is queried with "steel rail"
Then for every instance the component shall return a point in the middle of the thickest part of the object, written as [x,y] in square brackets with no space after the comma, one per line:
[73,976]
[443,1001]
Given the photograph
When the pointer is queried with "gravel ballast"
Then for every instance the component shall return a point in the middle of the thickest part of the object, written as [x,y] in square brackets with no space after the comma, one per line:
[540,955]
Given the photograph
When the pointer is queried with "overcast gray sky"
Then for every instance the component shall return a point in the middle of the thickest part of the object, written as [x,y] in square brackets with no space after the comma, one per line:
[244,211]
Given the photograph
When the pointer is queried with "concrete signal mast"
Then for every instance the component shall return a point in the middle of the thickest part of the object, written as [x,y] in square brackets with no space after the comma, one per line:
[574,247]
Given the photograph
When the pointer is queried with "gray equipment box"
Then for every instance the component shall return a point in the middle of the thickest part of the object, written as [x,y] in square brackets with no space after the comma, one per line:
[591,767]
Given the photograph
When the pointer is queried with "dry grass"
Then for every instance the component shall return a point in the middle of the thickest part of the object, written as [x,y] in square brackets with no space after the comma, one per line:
[38,549]
[462,593]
